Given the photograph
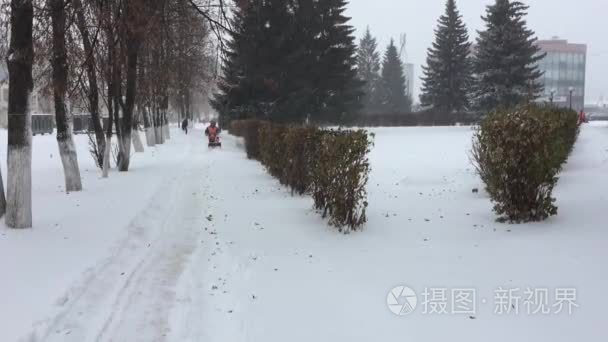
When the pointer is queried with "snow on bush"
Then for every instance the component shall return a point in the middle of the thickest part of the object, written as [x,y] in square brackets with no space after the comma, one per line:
[331,165]
[518,155]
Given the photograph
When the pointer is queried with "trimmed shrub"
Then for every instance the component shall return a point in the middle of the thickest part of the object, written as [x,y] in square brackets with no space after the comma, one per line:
[340,174]
[518,155]
[564,128]
[300,150]
[273,149]
[331,165]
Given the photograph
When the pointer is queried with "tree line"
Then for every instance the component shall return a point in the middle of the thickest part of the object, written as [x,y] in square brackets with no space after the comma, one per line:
[127,62]
[499,71]
[296,60]
[385,81]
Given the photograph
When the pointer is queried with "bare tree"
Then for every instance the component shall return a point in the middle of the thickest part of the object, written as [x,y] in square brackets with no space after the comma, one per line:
[93,88]
[20,60]
[59,64]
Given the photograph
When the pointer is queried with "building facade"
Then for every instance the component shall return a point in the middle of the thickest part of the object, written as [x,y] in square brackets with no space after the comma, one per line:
[409,79]
[564,68]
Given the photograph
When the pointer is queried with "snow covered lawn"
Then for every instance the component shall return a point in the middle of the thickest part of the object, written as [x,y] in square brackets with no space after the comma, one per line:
[200,245]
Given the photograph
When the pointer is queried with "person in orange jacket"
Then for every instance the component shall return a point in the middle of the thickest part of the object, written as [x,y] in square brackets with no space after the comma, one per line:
[212,132]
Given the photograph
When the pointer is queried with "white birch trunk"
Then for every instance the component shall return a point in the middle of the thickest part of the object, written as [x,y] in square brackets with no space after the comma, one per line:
[138,146]
[150,136]
[69,159]
[19,146]
[159,134]
[19,184]
[2,197]
[167,131]
[106,157]
[125,147]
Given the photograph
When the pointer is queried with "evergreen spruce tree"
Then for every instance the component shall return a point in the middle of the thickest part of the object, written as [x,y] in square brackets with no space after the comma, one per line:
[254,66]
[393,94]
[506,58]
[368,68]
[288,61]
[339,90]
[447,76]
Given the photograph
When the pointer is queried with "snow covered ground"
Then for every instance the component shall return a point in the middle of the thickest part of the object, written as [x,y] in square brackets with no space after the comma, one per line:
[202,245]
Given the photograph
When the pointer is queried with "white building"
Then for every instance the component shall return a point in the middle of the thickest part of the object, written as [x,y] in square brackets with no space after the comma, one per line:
[409,79]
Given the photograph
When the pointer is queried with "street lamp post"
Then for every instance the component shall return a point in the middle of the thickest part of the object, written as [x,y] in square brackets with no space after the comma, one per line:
[571,90]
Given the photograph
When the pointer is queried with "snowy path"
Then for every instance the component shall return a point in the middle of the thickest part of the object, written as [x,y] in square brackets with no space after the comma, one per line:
[129,296]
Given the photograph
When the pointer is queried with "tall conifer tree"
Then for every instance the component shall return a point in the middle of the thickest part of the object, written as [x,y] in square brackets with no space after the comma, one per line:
[506,58]
[368,68]
[447,76]
[393,94]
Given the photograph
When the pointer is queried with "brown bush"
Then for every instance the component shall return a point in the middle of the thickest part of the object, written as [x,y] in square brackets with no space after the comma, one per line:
[272,150]
[332,165]
[339,177]
[518,155]
[300,151]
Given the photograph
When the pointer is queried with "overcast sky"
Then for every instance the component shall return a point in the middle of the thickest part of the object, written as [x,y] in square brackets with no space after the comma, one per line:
[579,21]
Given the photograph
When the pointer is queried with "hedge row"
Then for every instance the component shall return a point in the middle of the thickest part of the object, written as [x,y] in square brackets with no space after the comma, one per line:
[518,155]
[331,165]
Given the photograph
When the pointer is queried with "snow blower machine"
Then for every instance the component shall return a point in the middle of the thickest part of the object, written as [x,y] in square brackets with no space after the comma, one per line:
[214,141]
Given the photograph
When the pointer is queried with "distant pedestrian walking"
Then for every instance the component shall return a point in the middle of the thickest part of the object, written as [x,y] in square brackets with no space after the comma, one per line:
[185,125]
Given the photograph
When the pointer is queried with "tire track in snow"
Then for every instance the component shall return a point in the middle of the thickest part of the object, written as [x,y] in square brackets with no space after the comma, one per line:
[128,296]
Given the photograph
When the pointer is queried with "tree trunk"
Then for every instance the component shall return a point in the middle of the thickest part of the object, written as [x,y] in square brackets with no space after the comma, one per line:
[136,137]
[106,157]
[20,58]
[59,64]
[112,75]
[108,144]
[93,93]
[2,198]
[167,129]
[164,118]
[148,127]
[127,119]
[158,126]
